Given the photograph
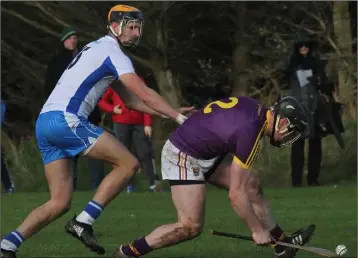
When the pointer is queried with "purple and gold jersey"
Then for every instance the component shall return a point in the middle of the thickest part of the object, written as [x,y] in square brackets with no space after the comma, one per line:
[231,125]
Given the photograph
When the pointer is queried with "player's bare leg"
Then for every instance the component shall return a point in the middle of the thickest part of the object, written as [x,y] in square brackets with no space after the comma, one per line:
[59,178]
[221,178]
[189,201]
[109,149]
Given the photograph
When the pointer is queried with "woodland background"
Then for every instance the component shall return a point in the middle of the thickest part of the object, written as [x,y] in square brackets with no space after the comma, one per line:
[192,53]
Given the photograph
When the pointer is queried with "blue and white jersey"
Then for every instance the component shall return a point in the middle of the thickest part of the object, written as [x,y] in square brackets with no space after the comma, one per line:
[87,77]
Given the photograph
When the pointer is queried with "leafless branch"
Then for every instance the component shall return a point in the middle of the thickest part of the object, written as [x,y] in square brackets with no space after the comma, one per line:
[47,12]
[298,26]
[31,22]
[10,51]
[320,21]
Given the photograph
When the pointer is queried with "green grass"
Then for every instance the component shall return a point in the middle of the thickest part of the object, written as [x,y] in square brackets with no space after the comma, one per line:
[332,209]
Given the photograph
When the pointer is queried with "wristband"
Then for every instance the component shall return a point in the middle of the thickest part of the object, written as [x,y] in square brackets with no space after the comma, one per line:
[180,119]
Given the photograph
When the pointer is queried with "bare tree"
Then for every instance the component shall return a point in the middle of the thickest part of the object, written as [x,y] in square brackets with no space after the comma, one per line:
[241,57]
[156,43]
[346,65]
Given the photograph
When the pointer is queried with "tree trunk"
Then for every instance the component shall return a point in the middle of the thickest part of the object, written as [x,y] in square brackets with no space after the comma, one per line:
[241,54]
[170,91]
[345,65]
[168,86]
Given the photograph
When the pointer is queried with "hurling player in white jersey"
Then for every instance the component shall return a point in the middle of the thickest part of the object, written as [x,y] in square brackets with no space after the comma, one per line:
[63,130]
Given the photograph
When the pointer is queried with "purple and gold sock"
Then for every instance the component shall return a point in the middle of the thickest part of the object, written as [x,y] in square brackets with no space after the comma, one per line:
[278,234]
[137,248]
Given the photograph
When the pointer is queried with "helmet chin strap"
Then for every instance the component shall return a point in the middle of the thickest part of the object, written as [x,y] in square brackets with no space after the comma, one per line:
[119,29]
[272,138]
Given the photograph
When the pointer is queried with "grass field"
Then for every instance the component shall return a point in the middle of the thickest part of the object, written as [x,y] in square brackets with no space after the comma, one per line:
[333,210]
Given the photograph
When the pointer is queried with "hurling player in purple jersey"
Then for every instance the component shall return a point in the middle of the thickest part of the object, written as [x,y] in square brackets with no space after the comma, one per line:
[218,144]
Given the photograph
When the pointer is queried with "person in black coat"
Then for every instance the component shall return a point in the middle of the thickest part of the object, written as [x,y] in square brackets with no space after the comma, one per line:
[62,59]
[57,65]
[307,80]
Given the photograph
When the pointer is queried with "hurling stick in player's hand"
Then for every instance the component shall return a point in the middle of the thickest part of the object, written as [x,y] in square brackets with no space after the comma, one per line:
[316,250]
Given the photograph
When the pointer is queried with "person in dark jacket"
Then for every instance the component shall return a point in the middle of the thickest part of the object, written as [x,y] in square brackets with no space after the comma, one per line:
[307,81]
[61,60]
[6,180]
[57,65]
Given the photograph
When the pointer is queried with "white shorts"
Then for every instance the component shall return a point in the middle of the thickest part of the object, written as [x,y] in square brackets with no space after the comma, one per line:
[176,165]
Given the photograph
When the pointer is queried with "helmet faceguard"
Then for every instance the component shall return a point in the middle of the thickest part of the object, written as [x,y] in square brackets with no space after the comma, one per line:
[125,14]
[290,110]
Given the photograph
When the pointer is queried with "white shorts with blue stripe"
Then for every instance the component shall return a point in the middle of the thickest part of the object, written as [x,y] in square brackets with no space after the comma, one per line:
[64,135]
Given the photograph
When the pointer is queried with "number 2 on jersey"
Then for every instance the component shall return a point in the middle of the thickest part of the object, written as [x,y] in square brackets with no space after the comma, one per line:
[232,103]
[77,57]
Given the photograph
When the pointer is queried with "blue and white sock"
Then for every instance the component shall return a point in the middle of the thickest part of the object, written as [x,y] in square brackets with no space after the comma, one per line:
[12,241]
[90,213]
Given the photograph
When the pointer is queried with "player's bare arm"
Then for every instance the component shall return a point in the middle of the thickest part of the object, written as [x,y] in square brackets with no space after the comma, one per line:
[150,97]
[259,204]
[132,101]
[240,201]
[238,194]
[221,179]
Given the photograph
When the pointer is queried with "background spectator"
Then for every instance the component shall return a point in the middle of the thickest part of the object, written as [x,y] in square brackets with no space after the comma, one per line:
[62,59]
[307,79]
[134,130]
[7,183]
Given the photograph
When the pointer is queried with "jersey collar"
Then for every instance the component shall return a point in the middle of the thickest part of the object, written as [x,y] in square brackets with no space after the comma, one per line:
[110,38]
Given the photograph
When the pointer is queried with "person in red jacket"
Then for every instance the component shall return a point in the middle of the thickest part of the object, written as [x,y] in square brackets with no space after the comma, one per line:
[134,130]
